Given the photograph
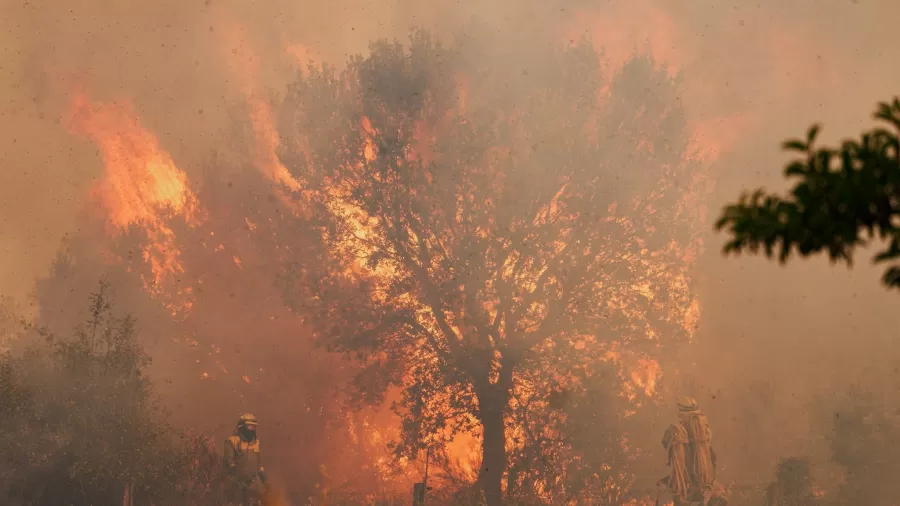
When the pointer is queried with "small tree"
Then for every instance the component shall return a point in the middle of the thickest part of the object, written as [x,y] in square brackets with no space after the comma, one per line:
[844,198]
[792,485]
[80,422]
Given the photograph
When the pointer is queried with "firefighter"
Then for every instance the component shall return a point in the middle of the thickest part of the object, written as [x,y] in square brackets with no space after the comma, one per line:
[691,460]
[242,462]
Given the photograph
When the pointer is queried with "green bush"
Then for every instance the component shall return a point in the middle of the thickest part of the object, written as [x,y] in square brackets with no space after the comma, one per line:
[81,424]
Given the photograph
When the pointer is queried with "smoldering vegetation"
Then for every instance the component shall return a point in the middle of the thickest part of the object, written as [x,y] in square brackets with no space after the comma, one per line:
[82,423]
[427,171]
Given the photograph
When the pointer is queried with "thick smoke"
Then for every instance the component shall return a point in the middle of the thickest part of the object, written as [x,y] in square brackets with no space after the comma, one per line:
[773,344]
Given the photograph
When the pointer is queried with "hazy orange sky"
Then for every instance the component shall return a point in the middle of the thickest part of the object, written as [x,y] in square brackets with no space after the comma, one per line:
[777,65]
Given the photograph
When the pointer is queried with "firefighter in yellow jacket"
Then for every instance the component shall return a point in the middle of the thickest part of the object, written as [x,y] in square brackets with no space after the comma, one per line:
[242,462]
[690,457]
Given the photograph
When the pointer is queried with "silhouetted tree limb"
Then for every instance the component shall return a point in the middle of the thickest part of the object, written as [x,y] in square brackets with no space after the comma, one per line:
[843,199]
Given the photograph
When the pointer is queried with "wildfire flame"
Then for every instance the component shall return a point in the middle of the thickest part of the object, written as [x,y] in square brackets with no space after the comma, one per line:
[141,179]
[141,186]
[245,65]
[267,143]
[645,374]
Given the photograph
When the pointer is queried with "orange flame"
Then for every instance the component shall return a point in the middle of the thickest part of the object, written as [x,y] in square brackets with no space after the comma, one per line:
[141,178]
[301,54]
[245,64]
[645,375]
[141,185]
[267,142]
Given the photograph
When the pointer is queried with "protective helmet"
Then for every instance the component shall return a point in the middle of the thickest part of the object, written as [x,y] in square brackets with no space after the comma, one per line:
[247,419]
[686,404]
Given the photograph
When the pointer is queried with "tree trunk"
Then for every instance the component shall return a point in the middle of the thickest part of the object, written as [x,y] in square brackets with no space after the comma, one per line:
[512,479]
[491,409]
[128,495]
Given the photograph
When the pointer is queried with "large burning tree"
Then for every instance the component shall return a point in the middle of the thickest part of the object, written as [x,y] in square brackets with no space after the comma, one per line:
[513,217]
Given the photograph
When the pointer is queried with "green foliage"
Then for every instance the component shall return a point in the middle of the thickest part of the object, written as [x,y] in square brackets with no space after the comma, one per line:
[844,197]
[80,422]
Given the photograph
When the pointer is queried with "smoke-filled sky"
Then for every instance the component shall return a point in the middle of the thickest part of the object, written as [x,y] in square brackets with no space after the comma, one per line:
[754,73]
[774,65]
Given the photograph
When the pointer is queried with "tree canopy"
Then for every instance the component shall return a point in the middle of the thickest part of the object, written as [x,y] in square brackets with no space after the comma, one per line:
[843,198]
[512,215]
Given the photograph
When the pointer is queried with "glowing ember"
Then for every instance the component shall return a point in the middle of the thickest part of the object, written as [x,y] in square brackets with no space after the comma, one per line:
[645,374]
[692,316]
